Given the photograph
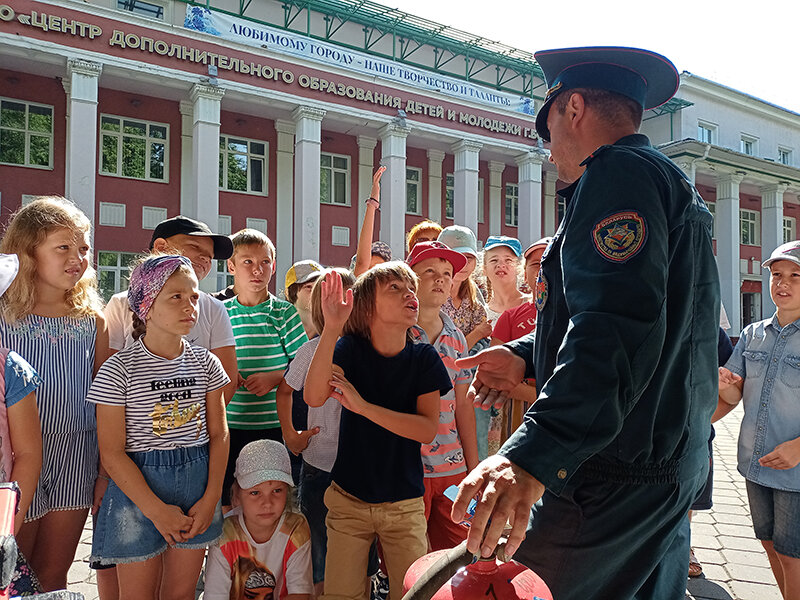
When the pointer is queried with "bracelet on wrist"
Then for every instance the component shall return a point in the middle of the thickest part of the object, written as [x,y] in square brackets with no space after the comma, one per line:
[377,202]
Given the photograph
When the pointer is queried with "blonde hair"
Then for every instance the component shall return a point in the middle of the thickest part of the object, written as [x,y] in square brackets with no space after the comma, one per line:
[26,230]
[348,280]
[366,289]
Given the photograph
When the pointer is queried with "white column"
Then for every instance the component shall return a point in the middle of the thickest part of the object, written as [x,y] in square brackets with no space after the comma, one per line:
[496,197]
[284,197]
[203,202]
[393,190]
[771,235]
[308,138]
[366,167]
[81,85]
[435,158]
[187,174]
[530,197]
[727,229]
[549,202]
[465,184]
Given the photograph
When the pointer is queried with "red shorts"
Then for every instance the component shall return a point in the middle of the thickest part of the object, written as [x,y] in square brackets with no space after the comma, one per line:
[442,532]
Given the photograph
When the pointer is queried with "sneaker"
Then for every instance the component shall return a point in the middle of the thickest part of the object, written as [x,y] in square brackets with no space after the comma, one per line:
[695,568]
[379,586]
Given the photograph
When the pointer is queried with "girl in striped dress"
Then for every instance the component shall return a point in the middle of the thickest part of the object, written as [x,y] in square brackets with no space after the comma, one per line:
[163,438]
[51,315]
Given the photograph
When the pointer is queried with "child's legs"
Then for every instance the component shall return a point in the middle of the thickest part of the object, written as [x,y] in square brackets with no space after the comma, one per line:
[401,528]
[107,584]
[49,544]
[140,580]
[350,535]
[181,572]
[443,533]
[313,483]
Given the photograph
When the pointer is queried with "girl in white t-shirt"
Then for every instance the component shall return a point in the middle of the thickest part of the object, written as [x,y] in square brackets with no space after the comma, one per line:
[163,439]
[265,550]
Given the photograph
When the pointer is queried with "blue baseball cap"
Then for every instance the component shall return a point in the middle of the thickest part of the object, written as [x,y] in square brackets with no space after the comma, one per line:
[641,75]
[503,240]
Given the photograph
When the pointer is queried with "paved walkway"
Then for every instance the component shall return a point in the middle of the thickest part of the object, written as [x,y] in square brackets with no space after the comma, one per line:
[734,563]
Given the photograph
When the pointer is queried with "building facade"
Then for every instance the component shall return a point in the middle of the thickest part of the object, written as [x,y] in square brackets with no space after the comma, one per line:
[274,115]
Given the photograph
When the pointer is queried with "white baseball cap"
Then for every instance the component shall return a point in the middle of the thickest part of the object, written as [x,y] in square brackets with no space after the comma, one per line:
[9,267]
[260,461]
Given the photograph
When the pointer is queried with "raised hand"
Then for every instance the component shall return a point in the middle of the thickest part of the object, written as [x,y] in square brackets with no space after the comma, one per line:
[336,306]
[375,192]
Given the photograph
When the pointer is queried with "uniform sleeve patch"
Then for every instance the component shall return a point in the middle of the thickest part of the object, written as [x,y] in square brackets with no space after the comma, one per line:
[619,237]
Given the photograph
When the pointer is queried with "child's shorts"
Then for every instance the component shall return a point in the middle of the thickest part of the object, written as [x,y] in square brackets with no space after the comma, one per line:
[775,516]
[178,477]
[69,471]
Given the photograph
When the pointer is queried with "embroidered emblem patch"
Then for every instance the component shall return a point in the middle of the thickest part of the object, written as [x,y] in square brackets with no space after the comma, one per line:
[619,237]
[540,291]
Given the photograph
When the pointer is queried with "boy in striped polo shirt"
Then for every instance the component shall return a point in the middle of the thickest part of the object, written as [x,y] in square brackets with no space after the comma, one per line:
[268,331]
[454,450]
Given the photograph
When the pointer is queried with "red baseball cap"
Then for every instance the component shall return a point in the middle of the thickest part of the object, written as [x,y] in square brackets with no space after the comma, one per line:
[425,250]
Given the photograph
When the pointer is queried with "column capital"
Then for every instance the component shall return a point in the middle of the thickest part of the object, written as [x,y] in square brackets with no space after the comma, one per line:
[284,126]
[186,108]
[84,67]
[496,166]
[435,155]
[206,92]
[394,129]
[734,177]
[529,158]
[466,146]
[366,142]
[307,112]
[774,188]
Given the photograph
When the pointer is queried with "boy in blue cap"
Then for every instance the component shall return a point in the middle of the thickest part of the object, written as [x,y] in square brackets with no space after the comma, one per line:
[624,354]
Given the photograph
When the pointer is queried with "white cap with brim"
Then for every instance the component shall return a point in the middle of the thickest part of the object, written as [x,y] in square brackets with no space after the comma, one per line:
[789,251]
[9,267]
[263,460]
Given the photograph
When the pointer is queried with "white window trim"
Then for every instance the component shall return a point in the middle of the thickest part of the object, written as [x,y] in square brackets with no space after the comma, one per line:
[28,133]
[148,140]
[789,153]
[756,226]
[745,138]
[118,268]
[224,151]
[338,231]
[158,214]
[224,224]
[418,184]
[347,177]
[515,201]
[712,127]
[111,209]
[257,224]
[790,227]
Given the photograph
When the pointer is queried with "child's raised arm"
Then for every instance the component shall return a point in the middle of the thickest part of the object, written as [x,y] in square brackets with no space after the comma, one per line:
[170,521]
[364,248]
[336,309]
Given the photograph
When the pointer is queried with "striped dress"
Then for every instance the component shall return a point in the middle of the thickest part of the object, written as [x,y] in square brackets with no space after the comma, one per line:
[61,350]
[268,336]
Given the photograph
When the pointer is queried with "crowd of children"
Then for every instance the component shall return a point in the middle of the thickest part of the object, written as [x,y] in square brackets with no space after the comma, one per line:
[294,444]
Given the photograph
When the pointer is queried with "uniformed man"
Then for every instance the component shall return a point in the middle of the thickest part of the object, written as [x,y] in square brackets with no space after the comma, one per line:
[624,350]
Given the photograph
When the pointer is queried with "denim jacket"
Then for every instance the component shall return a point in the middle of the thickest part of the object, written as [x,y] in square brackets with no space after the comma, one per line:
[768,358]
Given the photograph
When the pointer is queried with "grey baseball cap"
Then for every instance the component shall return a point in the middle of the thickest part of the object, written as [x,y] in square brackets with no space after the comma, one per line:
[260,461]
[789,251]
[459,238]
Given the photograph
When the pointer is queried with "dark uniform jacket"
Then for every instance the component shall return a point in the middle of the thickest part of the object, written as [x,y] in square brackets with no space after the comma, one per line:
[625,346]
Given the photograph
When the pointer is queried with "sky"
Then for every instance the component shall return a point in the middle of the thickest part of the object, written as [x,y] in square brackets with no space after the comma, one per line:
[752,46]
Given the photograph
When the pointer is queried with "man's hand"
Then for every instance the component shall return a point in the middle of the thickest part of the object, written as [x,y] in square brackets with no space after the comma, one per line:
[507,493]
[785,456]
[499,372]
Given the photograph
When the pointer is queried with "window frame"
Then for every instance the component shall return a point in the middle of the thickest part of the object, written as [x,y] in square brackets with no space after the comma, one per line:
[417,184]
[160,3]
[511,201]
[347,171]
[711,128]
[119,269]
[149,140]
[752,141]
[790,227]
[787,152]
[756,225]
[224,151]
[28,133]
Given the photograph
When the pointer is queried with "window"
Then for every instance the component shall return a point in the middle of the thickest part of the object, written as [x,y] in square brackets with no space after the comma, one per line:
[242,165]
[113,272]
[134,149]
[512,205]
[224,279]
[413,191]
[789,229]
[751,308]
[334,179]
[142,8]
[449,187]
[748,222]
[449,194]
[784,156]
[748,145]
[712,208]
[706,132]
[26,134]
